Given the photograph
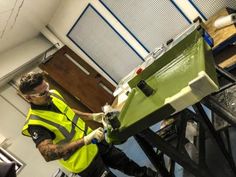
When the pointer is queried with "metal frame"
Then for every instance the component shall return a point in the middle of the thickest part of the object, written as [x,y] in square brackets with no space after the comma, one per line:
[213,105]
[149,139]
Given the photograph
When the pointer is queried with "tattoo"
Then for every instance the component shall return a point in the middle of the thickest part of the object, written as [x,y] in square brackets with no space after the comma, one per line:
[52,151]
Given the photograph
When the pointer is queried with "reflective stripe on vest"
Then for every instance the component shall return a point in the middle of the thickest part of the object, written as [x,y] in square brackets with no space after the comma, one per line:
[68,135]
[52,92]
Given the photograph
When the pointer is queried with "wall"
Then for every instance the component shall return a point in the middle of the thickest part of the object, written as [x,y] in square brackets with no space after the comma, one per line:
[69,11]
[187,9]
[14,59]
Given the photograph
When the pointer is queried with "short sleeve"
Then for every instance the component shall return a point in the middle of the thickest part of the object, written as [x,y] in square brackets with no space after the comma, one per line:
[39,133]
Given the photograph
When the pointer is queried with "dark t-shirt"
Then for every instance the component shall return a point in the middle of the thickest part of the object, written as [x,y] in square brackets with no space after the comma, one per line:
[40,133]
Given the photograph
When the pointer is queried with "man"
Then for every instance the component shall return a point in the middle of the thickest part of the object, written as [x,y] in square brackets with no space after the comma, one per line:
[60,134]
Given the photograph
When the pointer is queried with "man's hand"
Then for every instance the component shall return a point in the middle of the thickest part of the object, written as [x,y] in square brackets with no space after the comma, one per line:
[97,134]
[98,117]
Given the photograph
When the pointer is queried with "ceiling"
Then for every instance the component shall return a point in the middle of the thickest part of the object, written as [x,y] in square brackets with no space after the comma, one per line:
[21,20]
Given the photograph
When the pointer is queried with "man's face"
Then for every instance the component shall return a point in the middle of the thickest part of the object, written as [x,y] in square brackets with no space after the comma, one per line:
[40,95]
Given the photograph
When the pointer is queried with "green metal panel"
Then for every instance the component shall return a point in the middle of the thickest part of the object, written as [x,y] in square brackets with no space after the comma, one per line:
[170,55]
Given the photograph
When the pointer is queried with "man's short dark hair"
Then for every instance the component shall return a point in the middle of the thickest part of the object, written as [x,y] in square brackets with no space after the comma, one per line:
[29,81]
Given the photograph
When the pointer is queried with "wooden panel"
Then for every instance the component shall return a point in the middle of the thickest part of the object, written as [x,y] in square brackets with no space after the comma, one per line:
[223,34]
[70,100]
[227,57]
[79,79]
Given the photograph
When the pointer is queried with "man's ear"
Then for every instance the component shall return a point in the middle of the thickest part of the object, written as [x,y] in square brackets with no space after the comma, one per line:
[27,97]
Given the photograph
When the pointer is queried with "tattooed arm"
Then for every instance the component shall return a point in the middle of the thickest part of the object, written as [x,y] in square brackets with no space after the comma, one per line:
[52,151]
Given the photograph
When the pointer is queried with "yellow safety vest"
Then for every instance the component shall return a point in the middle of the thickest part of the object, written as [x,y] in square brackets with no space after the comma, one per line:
[65,131]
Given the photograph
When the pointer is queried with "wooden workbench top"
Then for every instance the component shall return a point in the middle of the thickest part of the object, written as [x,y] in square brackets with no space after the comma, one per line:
[227,57]
[220,35]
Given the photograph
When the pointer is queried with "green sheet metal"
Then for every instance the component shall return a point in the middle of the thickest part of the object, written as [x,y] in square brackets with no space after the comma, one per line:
[175,52]
[180,78]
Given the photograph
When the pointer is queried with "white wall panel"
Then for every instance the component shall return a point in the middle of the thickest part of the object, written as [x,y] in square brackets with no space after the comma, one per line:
[103,44]
[151,22]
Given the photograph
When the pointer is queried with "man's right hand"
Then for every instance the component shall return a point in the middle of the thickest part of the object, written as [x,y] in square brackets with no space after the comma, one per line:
[97,134]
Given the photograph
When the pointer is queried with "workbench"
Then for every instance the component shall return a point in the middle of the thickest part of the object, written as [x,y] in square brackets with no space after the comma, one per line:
[224,51]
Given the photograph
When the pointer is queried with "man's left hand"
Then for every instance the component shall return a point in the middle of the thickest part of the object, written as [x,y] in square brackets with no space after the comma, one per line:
[98,117]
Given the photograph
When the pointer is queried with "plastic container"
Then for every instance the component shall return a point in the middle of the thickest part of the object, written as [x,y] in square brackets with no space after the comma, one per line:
[225,21]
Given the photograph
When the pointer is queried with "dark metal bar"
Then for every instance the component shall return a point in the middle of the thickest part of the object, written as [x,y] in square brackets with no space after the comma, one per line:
[158,163]
[226,74]
[207,124]
[172,167]
[202,146]
[177,156]
[224,87]
[180,140]
[227,136]
[224,44]
[181,134]
[219,110]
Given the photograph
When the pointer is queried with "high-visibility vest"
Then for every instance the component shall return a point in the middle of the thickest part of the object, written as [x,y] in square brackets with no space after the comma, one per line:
[65,131]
